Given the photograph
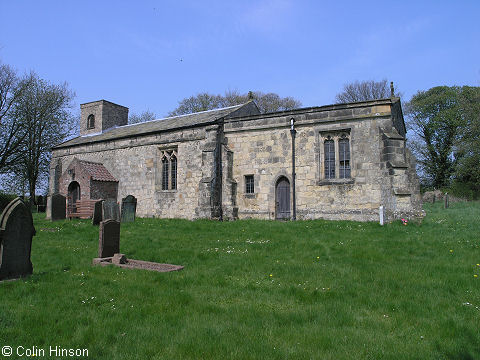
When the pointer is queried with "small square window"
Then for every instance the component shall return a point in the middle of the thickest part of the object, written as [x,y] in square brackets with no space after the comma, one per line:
[249,184]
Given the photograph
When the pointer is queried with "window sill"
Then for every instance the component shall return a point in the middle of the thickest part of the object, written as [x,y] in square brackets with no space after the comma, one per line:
[250,196]
[336,181]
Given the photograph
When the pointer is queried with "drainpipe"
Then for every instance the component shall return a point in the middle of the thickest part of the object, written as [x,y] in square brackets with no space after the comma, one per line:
[293,132]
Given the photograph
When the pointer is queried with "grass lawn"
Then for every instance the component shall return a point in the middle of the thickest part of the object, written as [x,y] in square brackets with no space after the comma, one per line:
[255,290]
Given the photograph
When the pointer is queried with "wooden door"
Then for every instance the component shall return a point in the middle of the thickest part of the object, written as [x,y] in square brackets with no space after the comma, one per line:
[282,197]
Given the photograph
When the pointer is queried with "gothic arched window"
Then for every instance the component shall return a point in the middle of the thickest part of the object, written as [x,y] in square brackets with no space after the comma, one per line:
[167,169]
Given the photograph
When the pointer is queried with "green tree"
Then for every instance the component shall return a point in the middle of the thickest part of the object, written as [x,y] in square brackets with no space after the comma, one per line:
[266,102]
[365,90]
[435,118]
[468,170]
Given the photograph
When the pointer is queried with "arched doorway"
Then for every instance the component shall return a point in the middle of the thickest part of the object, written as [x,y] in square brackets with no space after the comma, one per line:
[282,198]
[73,196]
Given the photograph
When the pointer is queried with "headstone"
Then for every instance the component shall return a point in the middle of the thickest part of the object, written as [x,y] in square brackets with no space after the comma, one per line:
[446,201]
[380,210]
[59,207]
[109,238]
[48,212]
[97,213]
[16,232]
[129,207]
[110,210]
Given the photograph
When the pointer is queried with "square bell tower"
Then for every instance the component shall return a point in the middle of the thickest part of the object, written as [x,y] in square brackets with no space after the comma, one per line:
[98,116]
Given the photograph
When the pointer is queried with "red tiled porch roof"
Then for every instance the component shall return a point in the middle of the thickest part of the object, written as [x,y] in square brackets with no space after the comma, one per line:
[97,171]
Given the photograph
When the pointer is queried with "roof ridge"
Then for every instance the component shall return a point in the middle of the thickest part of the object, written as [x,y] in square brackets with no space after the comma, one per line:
[180,116]
[90,162]
[200,118]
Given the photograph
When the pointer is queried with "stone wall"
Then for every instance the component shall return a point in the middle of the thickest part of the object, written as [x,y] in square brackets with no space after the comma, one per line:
[113,115]
[136,163]
[213,161]
[261,146]
[103,190]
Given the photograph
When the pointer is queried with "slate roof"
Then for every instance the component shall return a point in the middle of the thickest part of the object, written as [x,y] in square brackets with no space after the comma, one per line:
[176,122]
[97,171]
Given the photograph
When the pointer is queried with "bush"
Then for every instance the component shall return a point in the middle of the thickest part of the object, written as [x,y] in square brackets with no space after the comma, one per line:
[465,190]
[5,199]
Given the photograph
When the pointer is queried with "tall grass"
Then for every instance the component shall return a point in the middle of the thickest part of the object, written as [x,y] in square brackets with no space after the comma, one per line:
[256,290]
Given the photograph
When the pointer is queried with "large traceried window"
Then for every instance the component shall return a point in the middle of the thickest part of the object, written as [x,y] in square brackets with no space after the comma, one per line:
[335,161]
[168,169]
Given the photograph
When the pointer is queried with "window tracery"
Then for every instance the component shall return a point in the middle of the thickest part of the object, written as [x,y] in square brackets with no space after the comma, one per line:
[335,157]
[169,169]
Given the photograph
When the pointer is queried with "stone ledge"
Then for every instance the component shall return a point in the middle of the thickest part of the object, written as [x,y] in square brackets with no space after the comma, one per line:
[336,182]
[392,135]
[402,192]
[397,165]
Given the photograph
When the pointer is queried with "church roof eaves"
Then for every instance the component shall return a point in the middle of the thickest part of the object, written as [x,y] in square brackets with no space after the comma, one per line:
[339,106]
[154,126]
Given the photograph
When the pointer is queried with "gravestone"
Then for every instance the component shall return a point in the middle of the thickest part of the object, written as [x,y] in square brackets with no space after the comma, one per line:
[110,210]
[109,238]
[59,207]
[16,232]
[129,207]
[97,213]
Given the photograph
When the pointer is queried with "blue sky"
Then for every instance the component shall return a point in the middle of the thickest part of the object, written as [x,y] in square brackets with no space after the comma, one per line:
[148,55]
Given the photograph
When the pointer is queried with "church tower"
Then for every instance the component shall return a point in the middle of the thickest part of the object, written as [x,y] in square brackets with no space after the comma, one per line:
[98,116]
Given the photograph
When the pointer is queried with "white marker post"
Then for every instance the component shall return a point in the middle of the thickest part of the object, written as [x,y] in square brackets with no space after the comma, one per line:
[380,211]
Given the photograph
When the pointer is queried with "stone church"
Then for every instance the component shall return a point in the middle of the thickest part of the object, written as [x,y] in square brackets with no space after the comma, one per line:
[236,163]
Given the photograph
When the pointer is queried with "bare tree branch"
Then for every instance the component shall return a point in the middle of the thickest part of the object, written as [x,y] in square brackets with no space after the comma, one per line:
[365,90]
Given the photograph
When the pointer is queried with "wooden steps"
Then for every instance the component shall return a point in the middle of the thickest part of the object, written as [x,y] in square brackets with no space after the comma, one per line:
[82,209]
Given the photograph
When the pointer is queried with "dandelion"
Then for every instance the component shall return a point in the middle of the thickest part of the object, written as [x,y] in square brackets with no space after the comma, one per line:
[475,276]
[451,251]
[318,257]
[478,264]
[271,275]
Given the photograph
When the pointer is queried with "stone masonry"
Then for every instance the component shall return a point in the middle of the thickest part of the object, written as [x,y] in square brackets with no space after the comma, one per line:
[218,151]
